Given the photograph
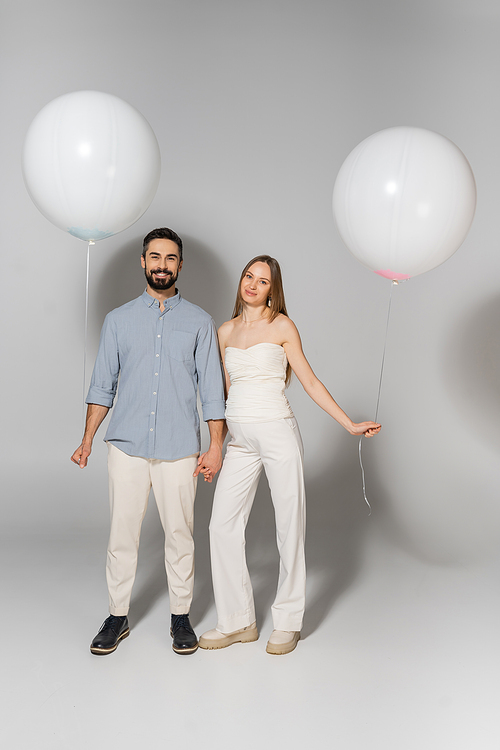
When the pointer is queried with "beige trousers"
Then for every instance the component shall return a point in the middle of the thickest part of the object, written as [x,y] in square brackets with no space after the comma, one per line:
[275,447]
[130,481]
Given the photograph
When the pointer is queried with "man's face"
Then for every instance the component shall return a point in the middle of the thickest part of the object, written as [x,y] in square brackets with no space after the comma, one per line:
[161,264]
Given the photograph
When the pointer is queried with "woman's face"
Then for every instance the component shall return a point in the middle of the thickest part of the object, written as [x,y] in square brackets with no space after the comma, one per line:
[256,284]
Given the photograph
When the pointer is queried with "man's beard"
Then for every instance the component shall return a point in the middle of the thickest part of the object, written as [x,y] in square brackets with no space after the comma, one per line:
[160,284]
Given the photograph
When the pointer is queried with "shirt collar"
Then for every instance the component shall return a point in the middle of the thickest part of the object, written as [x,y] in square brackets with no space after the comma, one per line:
[169,303]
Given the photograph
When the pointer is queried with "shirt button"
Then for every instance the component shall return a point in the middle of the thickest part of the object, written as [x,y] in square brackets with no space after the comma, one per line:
[152,412]
[151,430]
[154,393]
[156,373]
[157,355]
[159,335]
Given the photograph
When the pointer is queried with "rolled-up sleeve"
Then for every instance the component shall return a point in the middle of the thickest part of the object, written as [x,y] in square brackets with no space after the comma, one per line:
[210,375]
[104,379]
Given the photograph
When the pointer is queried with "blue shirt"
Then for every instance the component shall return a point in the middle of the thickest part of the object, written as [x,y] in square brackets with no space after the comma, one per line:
[161,359]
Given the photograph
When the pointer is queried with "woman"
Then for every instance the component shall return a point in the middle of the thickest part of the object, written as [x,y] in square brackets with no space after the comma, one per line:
[260,346]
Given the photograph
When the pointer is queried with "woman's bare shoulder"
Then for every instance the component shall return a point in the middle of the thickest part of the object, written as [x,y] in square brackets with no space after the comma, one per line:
[285,326]
[228,325]
[226,329]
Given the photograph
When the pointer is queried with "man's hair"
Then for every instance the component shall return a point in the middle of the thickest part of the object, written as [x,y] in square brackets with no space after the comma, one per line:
[163,233]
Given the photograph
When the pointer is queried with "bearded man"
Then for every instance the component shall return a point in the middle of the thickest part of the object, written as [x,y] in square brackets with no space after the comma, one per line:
[164,350]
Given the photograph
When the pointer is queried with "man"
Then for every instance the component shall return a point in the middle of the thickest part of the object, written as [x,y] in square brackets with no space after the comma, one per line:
[163,348]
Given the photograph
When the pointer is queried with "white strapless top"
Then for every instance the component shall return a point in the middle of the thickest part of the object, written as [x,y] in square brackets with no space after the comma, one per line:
[257,375]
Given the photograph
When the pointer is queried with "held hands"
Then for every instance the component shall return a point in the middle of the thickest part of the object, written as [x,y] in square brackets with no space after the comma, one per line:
[368,429]
[80,456]
[209,464]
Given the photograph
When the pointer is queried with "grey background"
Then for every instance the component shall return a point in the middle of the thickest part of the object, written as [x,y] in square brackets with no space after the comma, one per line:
[255,107]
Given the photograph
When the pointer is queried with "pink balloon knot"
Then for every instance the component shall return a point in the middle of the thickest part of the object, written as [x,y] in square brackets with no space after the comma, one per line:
[393,276]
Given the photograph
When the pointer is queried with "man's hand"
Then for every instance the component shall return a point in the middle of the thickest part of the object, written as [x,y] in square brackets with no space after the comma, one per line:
[95,415]
[80,456]
[209,463]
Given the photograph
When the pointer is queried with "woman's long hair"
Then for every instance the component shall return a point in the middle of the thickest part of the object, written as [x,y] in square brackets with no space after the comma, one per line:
[276,300]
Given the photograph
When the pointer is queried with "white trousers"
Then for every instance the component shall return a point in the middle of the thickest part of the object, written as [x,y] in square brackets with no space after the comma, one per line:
[174,487]
[276,447]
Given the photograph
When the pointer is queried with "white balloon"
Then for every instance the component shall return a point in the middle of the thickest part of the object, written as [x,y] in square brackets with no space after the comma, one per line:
[91,164]
[404,200]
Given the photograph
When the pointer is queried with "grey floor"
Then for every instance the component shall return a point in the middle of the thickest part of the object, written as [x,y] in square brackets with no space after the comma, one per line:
[396,652]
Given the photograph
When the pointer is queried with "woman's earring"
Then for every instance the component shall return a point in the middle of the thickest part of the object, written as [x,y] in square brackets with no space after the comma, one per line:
[269,301]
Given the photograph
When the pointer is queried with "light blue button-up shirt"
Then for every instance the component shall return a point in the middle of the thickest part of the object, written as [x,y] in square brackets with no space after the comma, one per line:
[161,359]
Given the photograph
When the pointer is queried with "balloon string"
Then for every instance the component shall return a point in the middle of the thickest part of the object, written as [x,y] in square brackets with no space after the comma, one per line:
[85,333]
[394,283]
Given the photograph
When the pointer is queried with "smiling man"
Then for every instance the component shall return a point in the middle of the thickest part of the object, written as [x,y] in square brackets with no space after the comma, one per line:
[163,349]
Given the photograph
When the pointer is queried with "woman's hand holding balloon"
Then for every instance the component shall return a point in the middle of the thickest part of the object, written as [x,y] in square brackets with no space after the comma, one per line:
[368,429]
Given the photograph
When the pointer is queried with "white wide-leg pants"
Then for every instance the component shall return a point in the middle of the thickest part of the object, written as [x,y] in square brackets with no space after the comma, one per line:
[277,447]
[174,487]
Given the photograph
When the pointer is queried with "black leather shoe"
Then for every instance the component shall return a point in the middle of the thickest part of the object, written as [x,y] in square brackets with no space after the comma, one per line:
[112,631]
[185,640]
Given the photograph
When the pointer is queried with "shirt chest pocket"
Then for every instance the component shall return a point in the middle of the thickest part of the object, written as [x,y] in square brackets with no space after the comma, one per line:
[181,346]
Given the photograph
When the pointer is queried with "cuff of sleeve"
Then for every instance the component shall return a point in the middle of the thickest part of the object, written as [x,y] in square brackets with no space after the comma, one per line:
[213,410]
[100,397]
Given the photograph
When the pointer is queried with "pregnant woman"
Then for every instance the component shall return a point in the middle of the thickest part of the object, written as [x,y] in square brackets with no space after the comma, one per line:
[260,346]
